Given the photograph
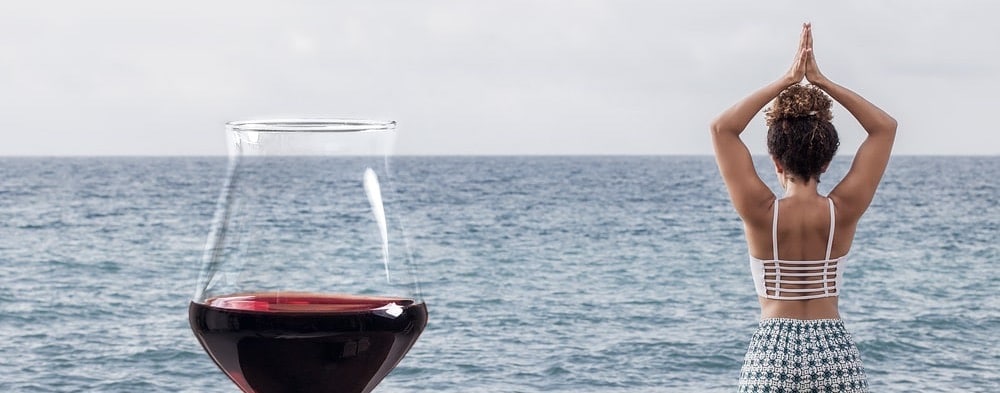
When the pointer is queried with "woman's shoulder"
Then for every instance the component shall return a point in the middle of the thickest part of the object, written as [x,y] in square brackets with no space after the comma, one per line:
[847,209]
[761,215]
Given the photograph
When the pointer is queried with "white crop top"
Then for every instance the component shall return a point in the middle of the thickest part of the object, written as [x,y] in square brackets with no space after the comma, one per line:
[797,280]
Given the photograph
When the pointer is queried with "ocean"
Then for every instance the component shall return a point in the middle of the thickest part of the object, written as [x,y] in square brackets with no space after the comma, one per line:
[541,274]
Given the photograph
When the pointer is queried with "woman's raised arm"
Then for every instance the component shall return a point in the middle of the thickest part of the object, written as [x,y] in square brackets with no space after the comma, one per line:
[855,192]
[746,189]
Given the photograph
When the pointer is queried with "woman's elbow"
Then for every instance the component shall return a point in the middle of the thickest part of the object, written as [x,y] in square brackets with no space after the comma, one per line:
[716,126]
[890,125]
[884,126]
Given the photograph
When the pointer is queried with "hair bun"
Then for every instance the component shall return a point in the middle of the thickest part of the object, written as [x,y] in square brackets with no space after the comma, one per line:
[799,101]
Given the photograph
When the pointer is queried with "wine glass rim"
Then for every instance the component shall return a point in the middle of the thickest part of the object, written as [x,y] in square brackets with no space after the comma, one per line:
[311,125]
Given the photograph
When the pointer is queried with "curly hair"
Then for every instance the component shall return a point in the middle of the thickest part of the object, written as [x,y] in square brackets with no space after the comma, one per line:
[800,135]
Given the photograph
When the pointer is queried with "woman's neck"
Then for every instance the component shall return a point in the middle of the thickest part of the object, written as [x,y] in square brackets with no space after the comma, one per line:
[796,188]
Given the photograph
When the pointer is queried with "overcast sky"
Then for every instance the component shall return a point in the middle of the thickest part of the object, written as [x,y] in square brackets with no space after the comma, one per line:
[483,76]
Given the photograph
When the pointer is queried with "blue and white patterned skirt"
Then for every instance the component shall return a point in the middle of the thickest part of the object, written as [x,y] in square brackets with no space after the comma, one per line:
[793,355]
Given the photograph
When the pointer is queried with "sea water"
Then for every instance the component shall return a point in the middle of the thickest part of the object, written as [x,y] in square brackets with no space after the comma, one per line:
[541,274]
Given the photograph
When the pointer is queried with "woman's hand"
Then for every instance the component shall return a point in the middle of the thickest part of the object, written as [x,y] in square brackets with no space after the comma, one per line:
[812,73]
[799,67]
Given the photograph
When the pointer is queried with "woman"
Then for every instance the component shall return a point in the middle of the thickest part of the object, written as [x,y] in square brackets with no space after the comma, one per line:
[801,343]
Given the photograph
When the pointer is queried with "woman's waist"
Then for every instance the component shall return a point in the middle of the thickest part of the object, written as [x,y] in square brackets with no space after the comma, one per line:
[812,309]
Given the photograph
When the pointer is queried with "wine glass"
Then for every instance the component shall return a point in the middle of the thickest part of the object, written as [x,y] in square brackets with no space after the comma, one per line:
[307,284]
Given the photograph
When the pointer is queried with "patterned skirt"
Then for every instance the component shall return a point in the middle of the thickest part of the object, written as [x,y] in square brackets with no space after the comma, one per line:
[792,355]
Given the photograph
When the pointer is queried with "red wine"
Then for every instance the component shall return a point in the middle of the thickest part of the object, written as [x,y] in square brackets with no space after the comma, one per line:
[301,342]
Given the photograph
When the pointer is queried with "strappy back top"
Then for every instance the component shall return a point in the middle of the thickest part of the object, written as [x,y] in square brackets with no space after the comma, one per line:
[797,280]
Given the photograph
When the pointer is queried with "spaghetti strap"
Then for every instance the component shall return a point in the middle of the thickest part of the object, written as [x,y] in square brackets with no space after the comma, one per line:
[833,222]
[774,232]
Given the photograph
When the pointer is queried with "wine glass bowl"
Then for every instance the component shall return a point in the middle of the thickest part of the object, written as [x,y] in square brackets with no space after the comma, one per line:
[307,284]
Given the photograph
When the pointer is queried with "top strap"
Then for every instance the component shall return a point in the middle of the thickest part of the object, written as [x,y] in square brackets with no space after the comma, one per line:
[833,221]
[774,232]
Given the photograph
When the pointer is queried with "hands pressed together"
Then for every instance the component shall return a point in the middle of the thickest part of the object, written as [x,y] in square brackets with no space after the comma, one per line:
[804,65]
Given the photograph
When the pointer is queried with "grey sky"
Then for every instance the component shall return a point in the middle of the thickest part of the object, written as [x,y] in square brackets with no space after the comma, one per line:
[480,77]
